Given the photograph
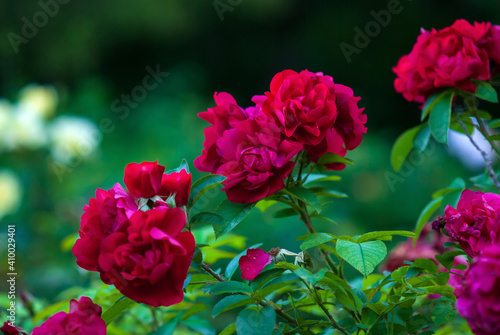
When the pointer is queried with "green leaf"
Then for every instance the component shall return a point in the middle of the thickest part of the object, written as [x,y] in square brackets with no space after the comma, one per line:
[399,274]
[230,302]
[316,215]
[332,193]
[233,214]
[119,306]
[256,321]
[169,327]
[426,264]
[285,213]
[230,287]
[231,329]
[200,325]
[196,308]
[422,138]
[49,310]
[183,166]
[425,215]
[442,313]
[456,184]
[264,205]
[451,199]
[206,218]
[448,258]
[439,120]
[317,177]
[333,158]
[280,282]
[315,239]
[202,185]
[485,91]
[403,146]
[305,195]
[364,257]
[494,123]
[429,104]
[382,235]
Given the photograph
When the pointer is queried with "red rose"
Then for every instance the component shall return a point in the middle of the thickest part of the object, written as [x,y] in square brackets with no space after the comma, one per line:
[143,180]
[449,57]
[10,329]
[475,223]
[255,160]
[149,260]
[224,116]
[178,183]
[105,214]
[84,318]
[347,131]
[301,104]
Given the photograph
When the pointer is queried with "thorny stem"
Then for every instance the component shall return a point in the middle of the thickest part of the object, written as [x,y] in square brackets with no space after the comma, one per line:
[263,303]
[487,161]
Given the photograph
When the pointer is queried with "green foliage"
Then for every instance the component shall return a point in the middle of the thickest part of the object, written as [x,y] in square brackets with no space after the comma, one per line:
[119,306]
[233,214]
[364,256]
[403,146]
[258,321]
[439,120]
[202,185]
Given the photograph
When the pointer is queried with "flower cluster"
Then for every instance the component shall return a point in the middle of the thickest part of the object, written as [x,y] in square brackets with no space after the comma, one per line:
[254,147]
[449,57]
[134,238]
[84,318]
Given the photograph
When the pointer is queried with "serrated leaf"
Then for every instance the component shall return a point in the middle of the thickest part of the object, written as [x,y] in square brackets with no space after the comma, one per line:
[233,214]
[230,302]
[425,215]
[376,235]
[118,307]
[230,287]
[364,257]
[202,185]
[315,239]
[402,147]
[439,119]
[305,195]
[442,313]
[264,205]
[256,321]
[485,91]
[206,218]
[448,258]
[426,264]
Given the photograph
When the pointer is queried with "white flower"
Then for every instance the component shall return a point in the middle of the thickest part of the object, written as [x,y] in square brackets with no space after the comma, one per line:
[10,193]
[38,100]
[25,130]
[73,137]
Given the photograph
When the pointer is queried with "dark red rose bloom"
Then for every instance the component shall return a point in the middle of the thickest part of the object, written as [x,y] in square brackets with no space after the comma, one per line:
[9,329]
[178,183]
[255,160]
[143,180]
[149,259]
[479,294]
[301,104]
[105,214]
[224,116]
[84,318]
[347,131]
[475,223]
[253,263]
[449,57]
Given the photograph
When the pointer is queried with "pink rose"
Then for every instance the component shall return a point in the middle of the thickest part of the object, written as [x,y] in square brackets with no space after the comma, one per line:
[449,57]
[148,260]
[301,104]
[253,263]
[475,222]
[479,297]
[255,160]
[224,116]
[84,318]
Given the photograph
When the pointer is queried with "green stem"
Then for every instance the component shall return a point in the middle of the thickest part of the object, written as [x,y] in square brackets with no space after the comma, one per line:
[320,303]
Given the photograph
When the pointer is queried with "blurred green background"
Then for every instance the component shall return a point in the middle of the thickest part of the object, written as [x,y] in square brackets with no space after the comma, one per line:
[95,52]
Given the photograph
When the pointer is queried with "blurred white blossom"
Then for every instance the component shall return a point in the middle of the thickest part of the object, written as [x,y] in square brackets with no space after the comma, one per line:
[73,137]
[10,192]
[5,122]
[460,146]
[38,100]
